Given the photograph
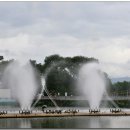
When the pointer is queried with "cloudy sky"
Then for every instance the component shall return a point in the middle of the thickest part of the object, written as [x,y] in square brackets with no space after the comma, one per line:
[93,29]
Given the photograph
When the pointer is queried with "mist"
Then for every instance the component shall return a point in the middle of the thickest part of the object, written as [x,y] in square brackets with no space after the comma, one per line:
[92,83]
[20,78]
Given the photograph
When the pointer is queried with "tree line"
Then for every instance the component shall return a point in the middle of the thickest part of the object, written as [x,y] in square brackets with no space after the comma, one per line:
[60,73]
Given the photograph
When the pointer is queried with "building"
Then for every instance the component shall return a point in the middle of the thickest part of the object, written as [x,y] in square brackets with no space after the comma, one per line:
[5,98]
[5,93]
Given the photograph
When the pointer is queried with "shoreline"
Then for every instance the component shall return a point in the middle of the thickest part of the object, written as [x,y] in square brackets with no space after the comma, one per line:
[36,115]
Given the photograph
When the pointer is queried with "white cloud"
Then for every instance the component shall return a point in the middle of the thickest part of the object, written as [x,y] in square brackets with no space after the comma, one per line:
[94,29]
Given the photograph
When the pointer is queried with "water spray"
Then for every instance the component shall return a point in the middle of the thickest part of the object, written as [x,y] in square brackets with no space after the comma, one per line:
[48,94]
[40,95]
[20,78]
[111,101]
[44,88]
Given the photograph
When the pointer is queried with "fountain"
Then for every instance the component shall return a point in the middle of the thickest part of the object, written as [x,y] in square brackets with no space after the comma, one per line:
[21,80]
[40,95]
[44,88]
[92,84]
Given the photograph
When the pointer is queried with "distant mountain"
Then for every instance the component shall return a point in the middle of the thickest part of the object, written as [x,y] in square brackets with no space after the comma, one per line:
[121,79]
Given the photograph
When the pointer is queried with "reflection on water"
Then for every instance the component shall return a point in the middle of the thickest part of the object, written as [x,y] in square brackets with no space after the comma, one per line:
[66,122]
[25,123]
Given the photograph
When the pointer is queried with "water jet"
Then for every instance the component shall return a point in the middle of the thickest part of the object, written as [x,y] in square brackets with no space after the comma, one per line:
[21,80]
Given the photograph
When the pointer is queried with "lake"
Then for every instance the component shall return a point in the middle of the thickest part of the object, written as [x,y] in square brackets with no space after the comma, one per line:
[66,122]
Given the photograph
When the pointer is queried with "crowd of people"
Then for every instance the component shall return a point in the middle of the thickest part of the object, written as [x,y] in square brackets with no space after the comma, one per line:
[116,110]
[25,112]
[3,112]
[94,110]
[60,111]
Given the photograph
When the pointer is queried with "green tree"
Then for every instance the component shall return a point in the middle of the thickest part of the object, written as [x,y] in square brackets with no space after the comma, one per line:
[62,73]
[1,57]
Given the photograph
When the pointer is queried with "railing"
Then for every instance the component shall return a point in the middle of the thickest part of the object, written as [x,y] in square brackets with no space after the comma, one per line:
[83,98]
